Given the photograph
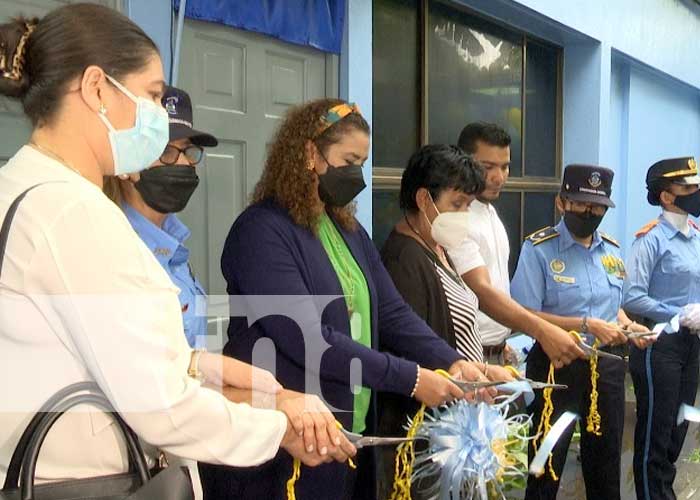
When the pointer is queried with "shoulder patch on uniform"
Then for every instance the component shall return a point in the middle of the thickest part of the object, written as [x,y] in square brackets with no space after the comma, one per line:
[542,235]
[610,239]
[648,227]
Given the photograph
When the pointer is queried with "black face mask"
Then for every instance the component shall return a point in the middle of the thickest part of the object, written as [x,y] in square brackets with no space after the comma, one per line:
[340,185]
[168,188]
[689,203]
[582,225]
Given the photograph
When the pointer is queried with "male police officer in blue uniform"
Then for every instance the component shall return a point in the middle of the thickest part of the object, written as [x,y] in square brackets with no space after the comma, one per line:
[664,276]
[572,275]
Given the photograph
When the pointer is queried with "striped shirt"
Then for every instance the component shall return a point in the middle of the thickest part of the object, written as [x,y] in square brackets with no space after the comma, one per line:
[464,306]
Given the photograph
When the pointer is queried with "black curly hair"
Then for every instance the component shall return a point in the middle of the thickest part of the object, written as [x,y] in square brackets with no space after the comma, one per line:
[437,167]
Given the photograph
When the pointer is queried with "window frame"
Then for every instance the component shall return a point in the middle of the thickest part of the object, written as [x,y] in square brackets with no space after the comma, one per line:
[389,178]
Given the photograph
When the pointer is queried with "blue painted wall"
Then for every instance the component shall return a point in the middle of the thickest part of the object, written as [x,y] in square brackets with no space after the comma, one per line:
[660,33]
[663,122]
[615,222]
[154,18]
[356,83]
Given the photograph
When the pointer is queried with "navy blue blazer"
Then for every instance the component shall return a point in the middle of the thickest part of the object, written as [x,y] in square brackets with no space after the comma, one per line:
[266,253]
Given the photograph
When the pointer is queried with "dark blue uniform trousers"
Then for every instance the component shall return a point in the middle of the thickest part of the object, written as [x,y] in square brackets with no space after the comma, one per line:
[600,456]
[664,375]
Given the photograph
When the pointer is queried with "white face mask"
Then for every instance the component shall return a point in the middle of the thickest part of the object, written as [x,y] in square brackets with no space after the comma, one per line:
[449,229]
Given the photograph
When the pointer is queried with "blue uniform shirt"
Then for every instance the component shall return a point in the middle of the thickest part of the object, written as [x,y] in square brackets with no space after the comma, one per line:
[664,272]
[557,275]
[166,245]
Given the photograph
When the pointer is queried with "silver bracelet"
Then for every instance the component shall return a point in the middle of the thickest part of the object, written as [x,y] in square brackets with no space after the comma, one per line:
[415,387]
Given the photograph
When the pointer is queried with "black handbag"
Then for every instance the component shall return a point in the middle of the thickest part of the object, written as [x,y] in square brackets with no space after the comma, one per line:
[170,483]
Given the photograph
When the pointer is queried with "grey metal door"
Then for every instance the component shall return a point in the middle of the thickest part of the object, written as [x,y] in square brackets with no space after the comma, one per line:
[241,84]
[14,127]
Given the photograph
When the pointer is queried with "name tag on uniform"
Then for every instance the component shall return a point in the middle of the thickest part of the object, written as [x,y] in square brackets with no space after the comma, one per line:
[569,280]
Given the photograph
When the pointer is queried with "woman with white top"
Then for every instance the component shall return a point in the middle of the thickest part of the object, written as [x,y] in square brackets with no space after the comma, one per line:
[81,297]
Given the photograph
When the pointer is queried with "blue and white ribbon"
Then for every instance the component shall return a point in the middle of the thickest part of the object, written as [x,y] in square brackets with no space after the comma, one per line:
[467,450]
[672,326]
[550,441]
[689,413]
[517,388]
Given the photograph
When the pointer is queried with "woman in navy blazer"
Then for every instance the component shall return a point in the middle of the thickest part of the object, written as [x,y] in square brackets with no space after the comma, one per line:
[276,248]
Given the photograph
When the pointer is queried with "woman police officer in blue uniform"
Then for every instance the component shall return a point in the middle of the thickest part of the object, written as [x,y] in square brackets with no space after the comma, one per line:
[151,198]
[571,275]
[663,277]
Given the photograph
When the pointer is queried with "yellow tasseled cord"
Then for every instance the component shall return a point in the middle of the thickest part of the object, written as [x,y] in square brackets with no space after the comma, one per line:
[406,455]
[546,420]
[593,420]
[296,472]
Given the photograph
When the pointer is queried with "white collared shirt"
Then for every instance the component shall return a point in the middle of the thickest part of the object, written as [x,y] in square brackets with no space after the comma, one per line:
[486,245]
[82,298]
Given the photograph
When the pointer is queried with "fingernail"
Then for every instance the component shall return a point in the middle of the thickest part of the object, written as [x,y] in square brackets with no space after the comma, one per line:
[337,441]
[310,448]
[324,450]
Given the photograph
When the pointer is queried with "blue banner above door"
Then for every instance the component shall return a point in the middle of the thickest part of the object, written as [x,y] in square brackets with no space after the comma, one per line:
[314,23]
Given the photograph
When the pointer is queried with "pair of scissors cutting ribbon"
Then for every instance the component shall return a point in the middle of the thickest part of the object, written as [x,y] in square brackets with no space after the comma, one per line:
[534,384]
[360,441]
[475,385]
[544,385]
[592,351]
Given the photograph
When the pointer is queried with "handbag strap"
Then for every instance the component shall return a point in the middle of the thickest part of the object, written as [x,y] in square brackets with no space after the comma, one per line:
[34,434]
[47,421]
[11,478]
[5,229]
[14,467]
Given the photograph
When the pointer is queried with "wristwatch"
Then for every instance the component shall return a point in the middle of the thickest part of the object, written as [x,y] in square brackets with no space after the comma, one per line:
[584,325]
[193,369]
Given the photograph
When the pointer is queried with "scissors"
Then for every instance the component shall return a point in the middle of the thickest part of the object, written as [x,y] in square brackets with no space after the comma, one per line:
[360,441]
[472,386]
[592,351]
[467,385]
[535,384]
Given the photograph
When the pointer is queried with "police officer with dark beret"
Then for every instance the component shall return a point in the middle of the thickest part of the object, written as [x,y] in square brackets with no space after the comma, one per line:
[663,277]
[571,275]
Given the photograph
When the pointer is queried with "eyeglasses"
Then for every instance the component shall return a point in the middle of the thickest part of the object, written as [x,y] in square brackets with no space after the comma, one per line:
[193,153]
[593,208]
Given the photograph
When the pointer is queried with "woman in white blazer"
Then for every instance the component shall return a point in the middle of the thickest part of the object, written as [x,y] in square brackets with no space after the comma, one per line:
[81,297]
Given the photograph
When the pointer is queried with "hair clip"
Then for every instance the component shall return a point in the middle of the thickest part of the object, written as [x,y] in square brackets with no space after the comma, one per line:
[335,114]
[18,56]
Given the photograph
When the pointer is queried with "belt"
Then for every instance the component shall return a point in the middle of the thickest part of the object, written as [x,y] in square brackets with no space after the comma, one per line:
[494,350]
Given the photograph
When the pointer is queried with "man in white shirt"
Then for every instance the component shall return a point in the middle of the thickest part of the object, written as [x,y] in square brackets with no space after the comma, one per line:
[482,260]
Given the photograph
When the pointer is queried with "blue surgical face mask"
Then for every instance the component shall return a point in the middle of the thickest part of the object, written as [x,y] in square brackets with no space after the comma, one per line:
[136,148]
